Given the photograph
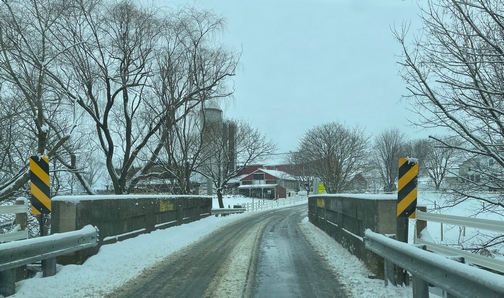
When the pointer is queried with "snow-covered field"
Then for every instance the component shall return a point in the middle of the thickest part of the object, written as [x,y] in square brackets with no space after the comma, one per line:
[117,263]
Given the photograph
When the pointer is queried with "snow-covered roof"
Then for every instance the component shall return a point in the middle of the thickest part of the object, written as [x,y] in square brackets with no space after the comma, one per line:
[258,186]
[237,179]
[276,173]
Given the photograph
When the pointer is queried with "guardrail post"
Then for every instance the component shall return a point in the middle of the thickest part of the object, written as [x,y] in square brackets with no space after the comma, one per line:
[389,268]
[420,224]
[49,267]
[456,259]
[402,235]
[180,216]
[420,286]
[22,221]
[8,282]
[21,218]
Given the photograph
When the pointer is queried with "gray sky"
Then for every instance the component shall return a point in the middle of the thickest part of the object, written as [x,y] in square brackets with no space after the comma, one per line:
[309,62]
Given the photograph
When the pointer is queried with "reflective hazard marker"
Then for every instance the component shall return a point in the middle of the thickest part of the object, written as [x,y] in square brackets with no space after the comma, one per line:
[39,185]
[407,188]
[321,188]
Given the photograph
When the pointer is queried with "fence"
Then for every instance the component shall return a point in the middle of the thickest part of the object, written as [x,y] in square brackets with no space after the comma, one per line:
[261,204]
[20,231]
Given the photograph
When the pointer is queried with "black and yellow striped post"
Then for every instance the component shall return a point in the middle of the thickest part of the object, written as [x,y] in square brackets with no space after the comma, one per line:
[40,188]
[407,188]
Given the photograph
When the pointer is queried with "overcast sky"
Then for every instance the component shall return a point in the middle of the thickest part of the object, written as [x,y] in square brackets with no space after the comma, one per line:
[309,62]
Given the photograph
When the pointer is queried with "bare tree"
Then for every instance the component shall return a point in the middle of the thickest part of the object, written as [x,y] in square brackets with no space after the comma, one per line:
[28,56]
[333,153]
[389,146]
[419,149]
[440,161]
[12,139]
[137,72]
[183,144]
[193,72]
[231,146]
[127,69]
[454,74]
[301,171]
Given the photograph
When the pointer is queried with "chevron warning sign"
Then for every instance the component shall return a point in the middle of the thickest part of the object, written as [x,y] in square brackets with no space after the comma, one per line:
[39,185]
[407,188]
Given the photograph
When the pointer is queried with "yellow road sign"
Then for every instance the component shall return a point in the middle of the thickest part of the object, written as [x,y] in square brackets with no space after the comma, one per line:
[321,188]
[407,188]
[40,185]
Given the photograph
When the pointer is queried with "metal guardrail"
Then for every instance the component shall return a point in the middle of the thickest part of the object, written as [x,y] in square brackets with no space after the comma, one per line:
[478,223]
[469,257]
[14,209]
[23,252]
[227,211]
[484,224]
[18,235]
[18,208]
[455,278]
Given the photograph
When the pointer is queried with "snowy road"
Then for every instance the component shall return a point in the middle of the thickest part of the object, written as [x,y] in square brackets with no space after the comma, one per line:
[260,256]
[287,265]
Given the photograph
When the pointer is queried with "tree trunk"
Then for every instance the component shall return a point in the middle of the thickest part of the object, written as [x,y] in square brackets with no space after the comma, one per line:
[219,197]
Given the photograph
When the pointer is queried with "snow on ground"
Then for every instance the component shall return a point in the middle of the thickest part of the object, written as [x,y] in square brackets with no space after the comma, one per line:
[351,272]
[117,263]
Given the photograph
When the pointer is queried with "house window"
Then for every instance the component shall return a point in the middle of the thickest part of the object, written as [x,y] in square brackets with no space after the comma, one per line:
[248,182]
[259,176]
[491,162]
[271,182]
[475,177]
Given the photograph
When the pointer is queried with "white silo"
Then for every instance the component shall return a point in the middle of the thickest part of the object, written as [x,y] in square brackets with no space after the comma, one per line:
[212,113]
[212,124]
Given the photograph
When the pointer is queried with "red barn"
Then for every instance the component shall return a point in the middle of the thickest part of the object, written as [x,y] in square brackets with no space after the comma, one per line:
[268,184]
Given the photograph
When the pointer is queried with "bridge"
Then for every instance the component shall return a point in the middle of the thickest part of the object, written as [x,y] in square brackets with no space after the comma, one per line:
[344,218]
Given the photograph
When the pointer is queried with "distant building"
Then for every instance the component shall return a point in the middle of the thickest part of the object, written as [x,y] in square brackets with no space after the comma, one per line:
[358,184]
[268,184]
[472,169]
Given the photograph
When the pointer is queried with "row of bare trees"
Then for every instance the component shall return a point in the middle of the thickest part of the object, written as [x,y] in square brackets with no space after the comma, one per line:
[455,79]
[336,154]
[454,75]
[109,90]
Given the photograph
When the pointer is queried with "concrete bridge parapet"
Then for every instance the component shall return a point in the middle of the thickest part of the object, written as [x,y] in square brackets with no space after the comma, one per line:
[345,217]
[119,217]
